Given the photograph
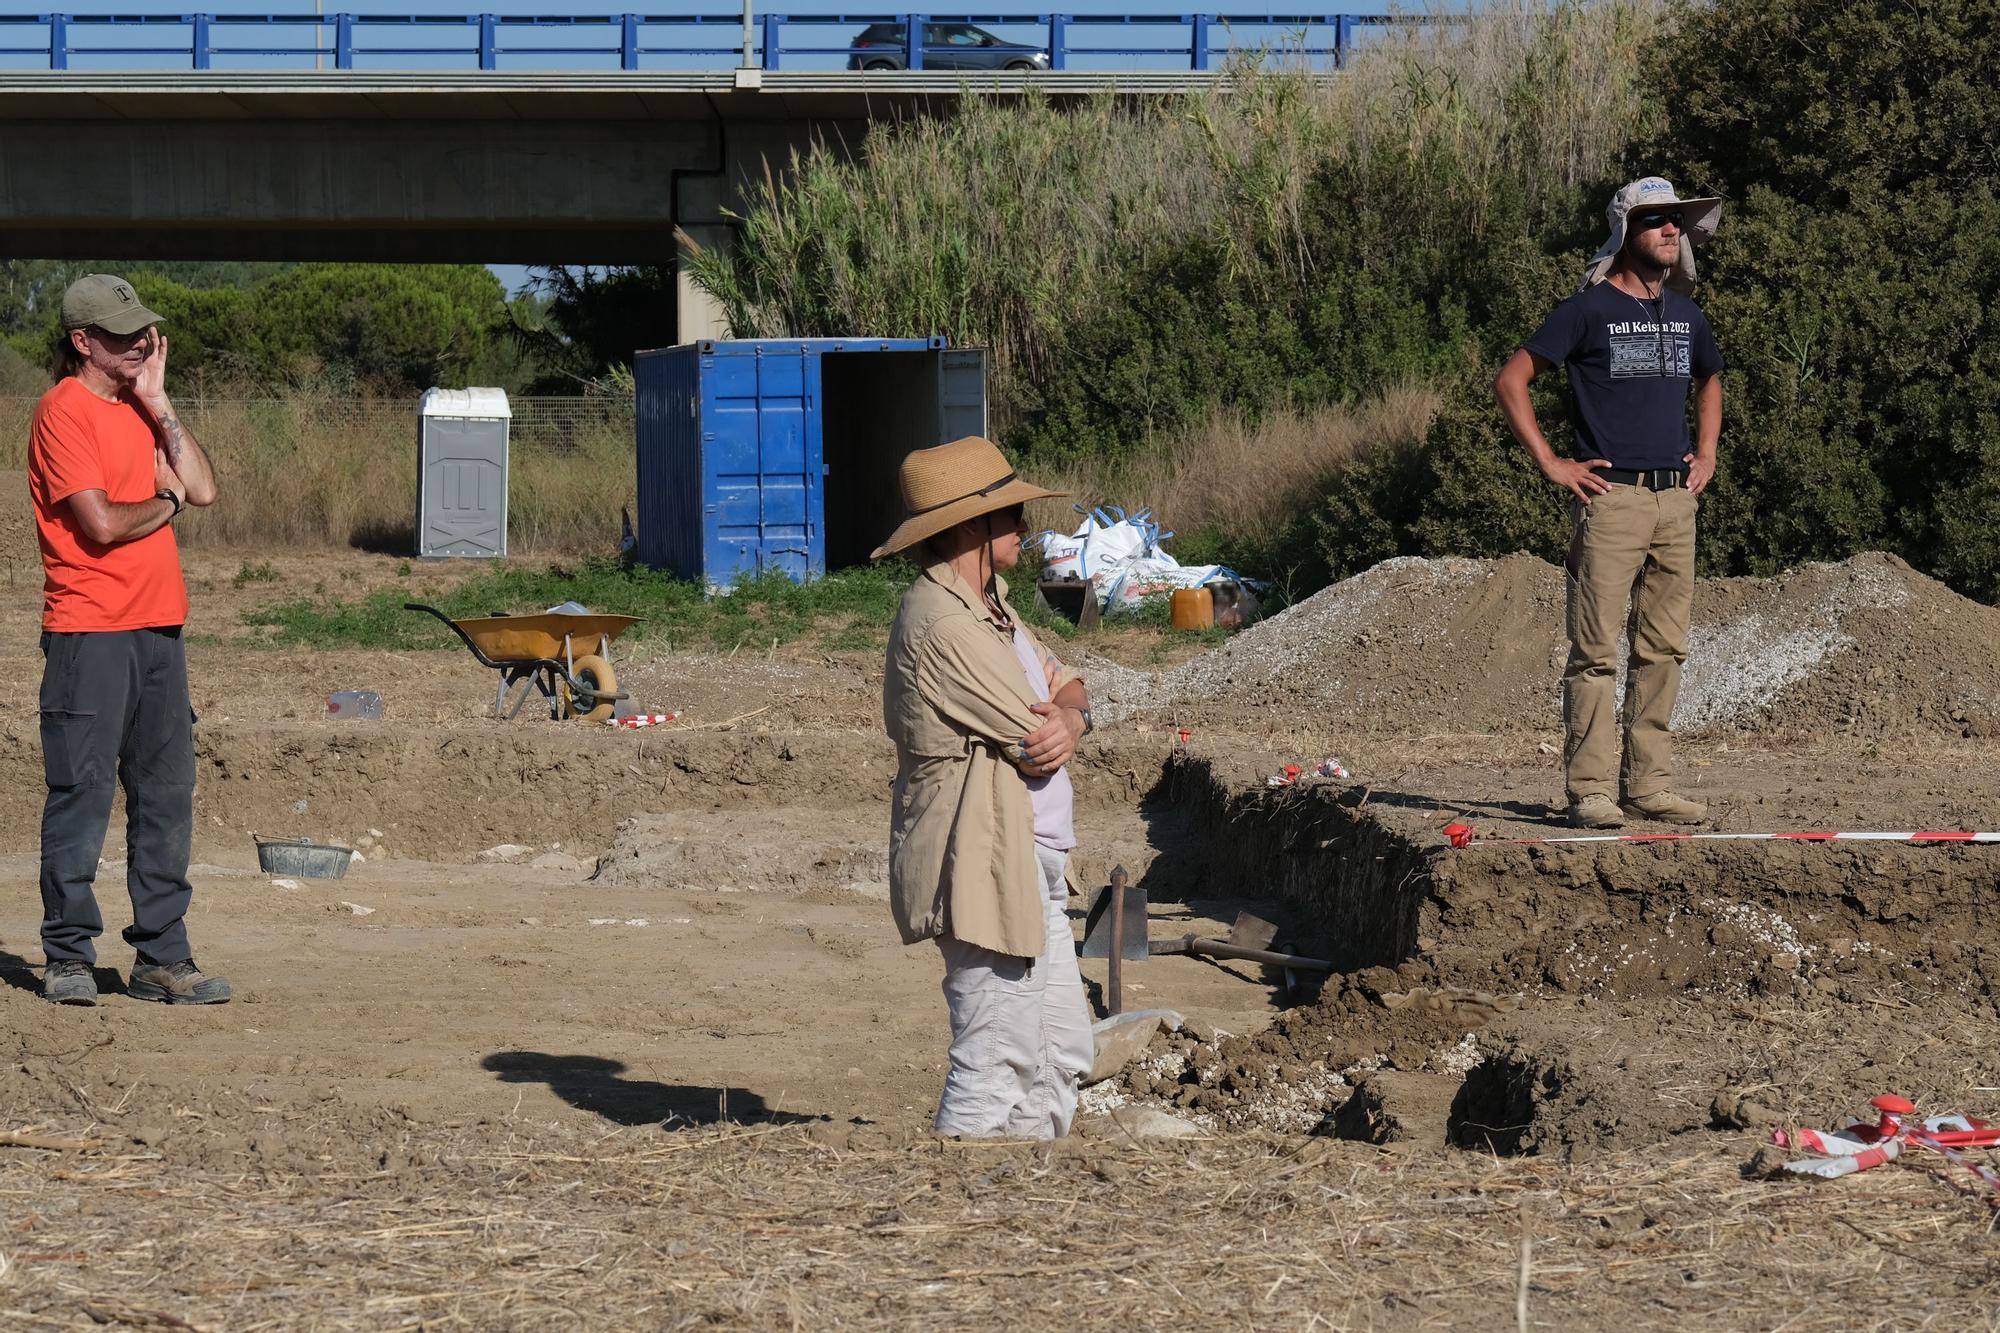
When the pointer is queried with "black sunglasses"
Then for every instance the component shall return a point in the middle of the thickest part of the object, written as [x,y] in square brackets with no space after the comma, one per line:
[1648,221]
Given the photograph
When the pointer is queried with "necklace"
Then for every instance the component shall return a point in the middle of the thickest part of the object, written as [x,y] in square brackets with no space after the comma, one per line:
[1659,329]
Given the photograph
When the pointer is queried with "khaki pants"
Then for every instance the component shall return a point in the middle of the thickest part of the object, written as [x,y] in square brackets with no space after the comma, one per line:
[1638,545]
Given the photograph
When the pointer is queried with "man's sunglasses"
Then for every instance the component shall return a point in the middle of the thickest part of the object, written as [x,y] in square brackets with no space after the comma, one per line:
[116,341]
[1648,221]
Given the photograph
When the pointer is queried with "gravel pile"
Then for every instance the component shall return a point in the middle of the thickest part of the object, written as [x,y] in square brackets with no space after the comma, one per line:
[1867,646]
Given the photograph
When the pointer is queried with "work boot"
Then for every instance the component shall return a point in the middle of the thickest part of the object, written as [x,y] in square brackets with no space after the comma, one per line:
[176,983]
[1666,808]
[69,981]
[1595,812]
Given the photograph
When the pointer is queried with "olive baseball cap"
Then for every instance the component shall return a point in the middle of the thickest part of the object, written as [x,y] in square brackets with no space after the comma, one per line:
[105,301]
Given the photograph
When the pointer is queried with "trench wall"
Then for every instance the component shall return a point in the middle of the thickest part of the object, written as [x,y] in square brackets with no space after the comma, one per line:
[1376,886]
[1357,887]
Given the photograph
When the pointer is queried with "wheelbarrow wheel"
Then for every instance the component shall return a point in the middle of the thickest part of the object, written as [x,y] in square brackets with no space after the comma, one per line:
[591,676]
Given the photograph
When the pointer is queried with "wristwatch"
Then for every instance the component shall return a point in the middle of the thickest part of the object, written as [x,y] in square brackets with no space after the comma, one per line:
[166,493]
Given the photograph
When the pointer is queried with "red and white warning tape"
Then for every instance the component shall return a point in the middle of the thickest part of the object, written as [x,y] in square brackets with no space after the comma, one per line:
[1856,1147]
[1460,835]
[642,720]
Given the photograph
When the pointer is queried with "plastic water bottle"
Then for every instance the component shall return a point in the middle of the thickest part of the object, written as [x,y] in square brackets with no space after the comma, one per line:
[363,705]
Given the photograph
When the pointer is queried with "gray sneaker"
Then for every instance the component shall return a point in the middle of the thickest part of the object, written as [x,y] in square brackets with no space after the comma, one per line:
[69,981]
[176,983]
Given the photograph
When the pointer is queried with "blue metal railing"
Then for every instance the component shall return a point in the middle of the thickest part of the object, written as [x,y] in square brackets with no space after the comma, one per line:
[370,38]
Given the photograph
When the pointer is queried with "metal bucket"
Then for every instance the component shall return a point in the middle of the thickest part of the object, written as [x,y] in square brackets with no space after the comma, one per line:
[302,857]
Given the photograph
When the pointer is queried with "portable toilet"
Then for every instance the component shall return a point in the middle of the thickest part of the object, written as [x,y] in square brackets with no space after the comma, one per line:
[782,454]
[462,472]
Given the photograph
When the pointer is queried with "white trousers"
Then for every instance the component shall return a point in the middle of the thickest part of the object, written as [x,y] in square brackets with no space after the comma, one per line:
[1020,1030]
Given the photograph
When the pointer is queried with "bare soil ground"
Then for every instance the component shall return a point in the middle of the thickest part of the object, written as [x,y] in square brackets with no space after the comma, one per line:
[665,1062]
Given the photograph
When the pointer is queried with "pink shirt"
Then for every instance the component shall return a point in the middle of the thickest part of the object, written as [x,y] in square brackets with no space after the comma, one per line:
[1051,798]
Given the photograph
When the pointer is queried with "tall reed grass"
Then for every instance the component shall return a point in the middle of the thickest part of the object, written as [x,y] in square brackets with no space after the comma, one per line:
[1003,224]
[303,471]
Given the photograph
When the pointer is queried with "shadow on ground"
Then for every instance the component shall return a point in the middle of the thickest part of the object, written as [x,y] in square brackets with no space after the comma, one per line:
[597,1085]
[23,975]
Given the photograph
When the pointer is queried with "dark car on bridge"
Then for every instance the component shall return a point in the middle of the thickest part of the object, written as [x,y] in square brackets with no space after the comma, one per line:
[946,46]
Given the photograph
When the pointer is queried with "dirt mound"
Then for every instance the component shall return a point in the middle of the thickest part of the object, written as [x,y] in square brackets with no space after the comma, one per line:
[1867,647]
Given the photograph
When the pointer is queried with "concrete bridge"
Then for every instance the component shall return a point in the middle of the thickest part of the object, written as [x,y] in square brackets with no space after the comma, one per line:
[316,153]
[486,167]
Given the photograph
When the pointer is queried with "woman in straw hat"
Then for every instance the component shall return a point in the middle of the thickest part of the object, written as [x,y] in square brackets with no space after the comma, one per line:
[985,722]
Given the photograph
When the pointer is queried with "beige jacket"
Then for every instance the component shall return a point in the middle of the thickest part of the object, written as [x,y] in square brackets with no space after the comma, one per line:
[961,833]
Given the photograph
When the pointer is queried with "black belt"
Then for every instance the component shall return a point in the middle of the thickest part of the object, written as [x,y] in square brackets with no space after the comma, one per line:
[1658,479]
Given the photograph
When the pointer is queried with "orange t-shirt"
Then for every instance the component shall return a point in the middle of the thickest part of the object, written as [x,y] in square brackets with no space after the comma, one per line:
[79,442]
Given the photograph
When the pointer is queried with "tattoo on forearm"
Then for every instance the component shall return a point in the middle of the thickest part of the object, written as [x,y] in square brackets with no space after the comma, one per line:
[172,439]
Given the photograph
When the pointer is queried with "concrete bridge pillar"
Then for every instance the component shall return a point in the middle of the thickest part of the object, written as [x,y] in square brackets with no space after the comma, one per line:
[696,314]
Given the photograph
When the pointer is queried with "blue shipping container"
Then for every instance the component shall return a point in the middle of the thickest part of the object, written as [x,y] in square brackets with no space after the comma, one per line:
[781,454]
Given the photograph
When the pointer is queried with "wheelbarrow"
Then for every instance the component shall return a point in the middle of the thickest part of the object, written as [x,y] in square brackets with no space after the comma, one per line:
[538,654]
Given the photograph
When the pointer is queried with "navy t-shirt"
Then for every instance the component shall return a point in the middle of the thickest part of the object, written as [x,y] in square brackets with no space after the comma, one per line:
[1629,370]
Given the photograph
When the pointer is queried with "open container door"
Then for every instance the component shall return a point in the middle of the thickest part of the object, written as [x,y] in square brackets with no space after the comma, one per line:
[878,407]
[961,374]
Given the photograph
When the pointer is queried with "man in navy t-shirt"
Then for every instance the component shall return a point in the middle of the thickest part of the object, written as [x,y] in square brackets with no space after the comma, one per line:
[1636,348]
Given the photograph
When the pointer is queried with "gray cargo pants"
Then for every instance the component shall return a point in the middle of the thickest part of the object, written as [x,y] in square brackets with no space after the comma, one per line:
[115,706]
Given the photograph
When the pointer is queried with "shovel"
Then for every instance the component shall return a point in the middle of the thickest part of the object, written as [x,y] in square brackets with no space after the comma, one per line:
[1117,914]
[1250,939]
[1195,944]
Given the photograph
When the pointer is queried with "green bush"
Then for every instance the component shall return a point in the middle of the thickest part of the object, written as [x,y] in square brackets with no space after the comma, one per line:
[1854,281]
[415,325]
[1863,386]
[1832,104]
[1467,489]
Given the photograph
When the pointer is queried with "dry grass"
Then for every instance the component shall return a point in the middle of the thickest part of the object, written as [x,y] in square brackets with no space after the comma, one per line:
[305,470]
[1234,476]
[514,1225]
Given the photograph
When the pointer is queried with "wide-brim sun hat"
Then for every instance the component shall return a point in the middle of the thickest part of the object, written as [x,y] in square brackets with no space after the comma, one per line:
[946,485]
[1699,218]
[105,301]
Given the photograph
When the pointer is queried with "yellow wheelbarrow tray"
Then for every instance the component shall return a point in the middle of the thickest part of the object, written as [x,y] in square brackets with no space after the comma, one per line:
[539,653]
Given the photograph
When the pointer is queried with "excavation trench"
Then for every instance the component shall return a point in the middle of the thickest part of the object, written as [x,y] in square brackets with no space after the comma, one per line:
[1537,998]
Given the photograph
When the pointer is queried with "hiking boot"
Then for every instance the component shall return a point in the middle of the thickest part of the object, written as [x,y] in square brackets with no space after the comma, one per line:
[69,981]
[176,983]
[1666,808]
[1595,812]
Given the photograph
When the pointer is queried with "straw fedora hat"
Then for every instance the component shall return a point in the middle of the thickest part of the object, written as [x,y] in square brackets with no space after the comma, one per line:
[943,487]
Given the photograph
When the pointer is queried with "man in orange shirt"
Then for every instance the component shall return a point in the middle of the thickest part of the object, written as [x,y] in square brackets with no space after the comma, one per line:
[110,466]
